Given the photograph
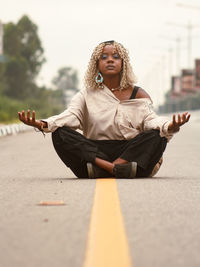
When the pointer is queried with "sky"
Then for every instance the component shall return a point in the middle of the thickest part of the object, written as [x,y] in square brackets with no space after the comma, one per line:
[70,30]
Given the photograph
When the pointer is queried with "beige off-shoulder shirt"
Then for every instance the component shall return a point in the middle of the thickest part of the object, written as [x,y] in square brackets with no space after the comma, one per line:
[102,116]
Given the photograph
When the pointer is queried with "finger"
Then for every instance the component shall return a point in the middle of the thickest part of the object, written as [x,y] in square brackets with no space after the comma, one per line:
[179,119]
[28,115]
[20,115]
[187,119]
[33,115]
[184,117]
[174,119]
[23,115]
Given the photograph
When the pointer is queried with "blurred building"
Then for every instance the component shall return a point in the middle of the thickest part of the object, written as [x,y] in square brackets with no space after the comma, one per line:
[187,83]
[184,93]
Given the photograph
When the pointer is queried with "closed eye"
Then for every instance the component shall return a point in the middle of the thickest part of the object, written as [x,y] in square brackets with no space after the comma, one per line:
[116,55]
[104,56]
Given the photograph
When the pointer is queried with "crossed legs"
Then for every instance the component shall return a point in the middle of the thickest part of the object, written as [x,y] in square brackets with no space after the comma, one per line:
[108,166]
[75,151]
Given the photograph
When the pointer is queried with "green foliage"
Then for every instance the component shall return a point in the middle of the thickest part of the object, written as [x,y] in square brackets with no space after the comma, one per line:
[66,78]
[18,89]
[23,47]
[47,103]
[8,108]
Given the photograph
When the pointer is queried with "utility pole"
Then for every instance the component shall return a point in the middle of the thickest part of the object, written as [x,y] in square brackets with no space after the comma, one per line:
[170,64]
[189,28]
[3,58]
[178,51]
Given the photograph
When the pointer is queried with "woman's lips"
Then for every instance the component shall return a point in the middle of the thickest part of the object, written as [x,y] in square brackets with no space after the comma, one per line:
[110,67]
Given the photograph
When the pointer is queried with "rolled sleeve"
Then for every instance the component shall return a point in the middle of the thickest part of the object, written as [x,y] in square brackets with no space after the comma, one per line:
[71,117]
[161,123]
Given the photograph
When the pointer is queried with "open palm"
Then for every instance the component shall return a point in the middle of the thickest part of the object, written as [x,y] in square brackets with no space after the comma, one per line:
[27,119]
[176,123]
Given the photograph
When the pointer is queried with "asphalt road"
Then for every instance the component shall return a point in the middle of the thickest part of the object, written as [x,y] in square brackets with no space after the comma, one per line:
[161,214]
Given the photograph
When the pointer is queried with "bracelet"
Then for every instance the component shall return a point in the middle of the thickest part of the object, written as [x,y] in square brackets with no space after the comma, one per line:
[38,130]
[41,126]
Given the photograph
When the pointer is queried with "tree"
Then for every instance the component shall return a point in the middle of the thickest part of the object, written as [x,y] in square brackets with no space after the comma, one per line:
[18,89]
[23,47]
[66,78]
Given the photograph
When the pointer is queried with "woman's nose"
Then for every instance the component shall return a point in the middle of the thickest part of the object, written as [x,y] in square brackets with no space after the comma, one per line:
[110,58]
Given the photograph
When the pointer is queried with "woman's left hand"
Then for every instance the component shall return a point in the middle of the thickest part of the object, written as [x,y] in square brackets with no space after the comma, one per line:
[176,123]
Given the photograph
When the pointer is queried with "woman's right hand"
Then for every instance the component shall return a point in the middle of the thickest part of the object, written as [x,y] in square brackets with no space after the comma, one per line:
[27,119]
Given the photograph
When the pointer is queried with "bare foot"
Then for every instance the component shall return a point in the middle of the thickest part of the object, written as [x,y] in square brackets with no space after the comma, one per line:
[120,161]
[104,164]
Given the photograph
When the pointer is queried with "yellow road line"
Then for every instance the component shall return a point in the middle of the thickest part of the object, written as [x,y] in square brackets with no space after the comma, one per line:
[107,244]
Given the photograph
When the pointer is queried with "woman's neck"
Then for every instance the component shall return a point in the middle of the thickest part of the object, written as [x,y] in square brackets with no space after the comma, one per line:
[111,82]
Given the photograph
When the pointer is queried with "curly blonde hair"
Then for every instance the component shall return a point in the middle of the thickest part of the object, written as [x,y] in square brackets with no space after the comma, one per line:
[128,78]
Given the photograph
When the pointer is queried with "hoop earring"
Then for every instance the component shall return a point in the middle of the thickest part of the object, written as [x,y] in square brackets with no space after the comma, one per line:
[99,80]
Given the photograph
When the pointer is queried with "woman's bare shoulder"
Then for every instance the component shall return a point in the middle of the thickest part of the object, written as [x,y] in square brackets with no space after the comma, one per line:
[141,93]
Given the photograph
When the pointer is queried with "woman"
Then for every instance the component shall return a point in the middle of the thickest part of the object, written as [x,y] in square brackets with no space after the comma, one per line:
[122,135]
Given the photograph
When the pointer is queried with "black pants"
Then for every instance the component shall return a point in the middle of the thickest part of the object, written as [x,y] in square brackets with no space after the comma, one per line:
[75,150]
